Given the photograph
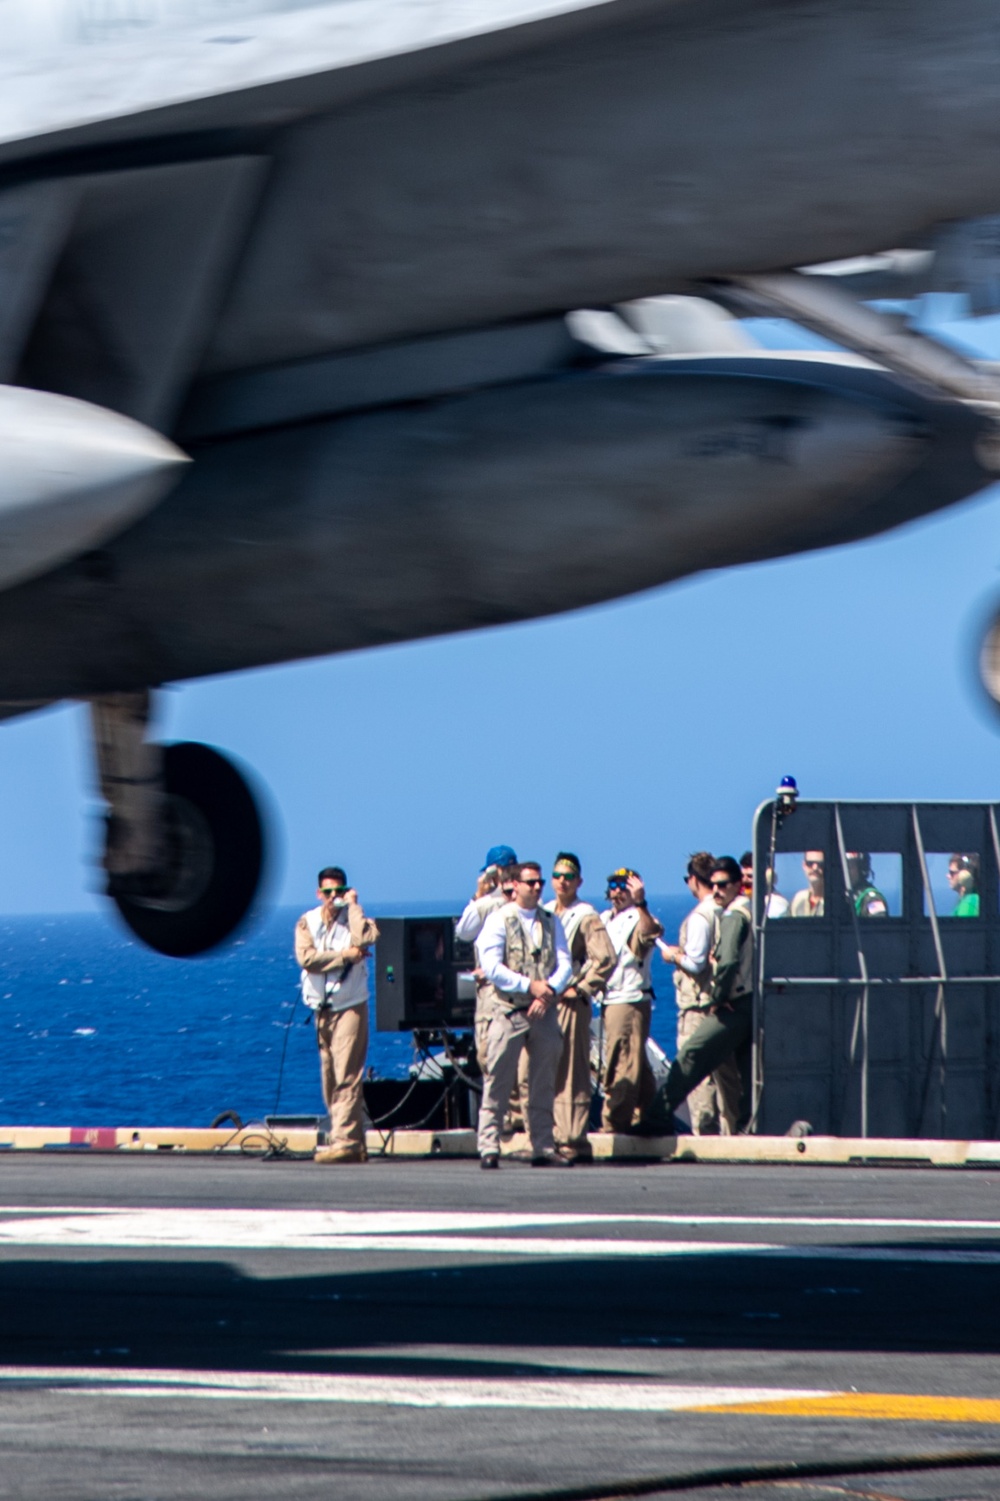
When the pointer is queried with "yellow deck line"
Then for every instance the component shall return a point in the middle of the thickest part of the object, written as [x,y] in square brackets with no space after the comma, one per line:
[892,1406]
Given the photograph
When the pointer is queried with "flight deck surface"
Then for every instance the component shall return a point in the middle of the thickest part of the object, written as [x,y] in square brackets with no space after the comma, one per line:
[179,1328]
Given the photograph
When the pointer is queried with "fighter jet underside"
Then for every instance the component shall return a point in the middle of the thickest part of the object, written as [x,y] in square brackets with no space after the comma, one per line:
[293,368]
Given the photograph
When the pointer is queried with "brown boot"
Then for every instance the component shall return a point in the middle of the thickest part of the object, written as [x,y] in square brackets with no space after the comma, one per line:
[340,1154]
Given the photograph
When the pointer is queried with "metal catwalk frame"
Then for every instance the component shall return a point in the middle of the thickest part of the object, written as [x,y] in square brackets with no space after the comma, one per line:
[879,1026]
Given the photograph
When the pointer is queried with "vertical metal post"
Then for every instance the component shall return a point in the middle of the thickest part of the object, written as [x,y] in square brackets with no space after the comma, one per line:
[940,1004]
[761,896]
[995,835]
[861,1010]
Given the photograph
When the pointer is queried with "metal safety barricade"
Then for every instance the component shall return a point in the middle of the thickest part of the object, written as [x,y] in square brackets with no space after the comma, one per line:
[877,1003]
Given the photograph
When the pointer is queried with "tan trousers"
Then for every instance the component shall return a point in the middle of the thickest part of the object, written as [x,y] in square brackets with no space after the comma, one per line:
[343,1045]
[507,1037]
[629,1085]
[714,1104]
[574,1087]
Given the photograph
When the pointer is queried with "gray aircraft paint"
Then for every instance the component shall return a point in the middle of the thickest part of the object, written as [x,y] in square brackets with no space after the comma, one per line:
[428,170]
[67,62]
[613,151]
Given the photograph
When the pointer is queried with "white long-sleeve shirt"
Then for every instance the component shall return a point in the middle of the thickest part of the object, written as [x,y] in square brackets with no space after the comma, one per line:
[470,924]
[492,944]
[698,943]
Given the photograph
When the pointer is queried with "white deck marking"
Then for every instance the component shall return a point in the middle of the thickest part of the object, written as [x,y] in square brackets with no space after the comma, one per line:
[558,1395]
[397,1391]
[454,1233]
[305,1230]
[398,1222]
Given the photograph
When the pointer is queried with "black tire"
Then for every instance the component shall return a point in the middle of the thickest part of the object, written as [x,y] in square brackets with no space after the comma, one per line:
[216,845]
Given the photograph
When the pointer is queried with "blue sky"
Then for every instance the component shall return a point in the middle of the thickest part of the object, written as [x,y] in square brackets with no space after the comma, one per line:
[854,671]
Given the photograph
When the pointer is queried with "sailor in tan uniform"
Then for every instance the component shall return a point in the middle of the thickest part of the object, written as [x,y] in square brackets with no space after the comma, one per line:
[593,959]
[629,1086]
[811,901]
[332,945]
[523,953]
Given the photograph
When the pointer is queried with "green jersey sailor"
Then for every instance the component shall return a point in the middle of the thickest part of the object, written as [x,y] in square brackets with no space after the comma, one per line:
[867,899]
[963,878]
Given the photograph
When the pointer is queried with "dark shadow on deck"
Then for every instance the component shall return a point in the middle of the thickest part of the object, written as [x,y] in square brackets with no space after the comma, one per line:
[205,1313]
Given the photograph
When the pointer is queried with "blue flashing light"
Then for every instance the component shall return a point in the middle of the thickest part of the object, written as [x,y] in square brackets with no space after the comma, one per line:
[786,796]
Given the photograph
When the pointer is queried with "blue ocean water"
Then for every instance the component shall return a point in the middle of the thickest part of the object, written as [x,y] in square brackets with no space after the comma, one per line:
[95,1030]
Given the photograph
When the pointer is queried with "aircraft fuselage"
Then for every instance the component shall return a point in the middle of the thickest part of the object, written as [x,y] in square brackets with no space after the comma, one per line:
[482,508]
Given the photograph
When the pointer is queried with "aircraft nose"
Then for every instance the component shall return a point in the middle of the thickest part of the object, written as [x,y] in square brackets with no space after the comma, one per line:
[71,476]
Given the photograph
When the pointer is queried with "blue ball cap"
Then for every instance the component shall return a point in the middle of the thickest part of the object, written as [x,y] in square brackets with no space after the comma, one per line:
[500,854]
[790,783]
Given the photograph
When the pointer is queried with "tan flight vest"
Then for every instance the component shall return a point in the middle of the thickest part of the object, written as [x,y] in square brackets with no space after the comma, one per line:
[573,920]
[696,990]
[535,964]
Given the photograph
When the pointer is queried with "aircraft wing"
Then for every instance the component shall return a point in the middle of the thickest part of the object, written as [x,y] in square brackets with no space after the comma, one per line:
[422,169]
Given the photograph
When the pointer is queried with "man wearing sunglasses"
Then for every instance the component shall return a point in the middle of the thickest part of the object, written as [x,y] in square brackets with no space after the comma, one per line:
[332,944]
[714,1103]
[593,960]
[629,1086]
[777,905]
[811,901]
[725,1029]
[526,963]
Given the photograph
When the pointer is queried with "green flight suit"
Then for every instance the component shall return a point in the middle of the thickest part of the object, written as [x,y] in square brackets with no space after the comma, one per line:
[725,1031]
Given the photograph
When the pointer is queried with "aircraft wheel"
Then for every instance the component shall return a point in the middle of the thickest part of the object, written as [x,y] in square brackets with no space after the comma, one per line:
[215,843]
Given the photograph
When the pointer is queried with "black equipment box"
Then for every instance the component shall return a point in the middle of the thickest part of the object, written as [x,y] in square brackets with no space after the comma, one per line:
[421,976]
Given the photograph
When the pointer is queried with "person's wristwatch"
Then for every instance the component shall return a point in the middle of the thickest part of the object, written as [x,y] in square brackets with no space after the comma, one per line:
[643,904]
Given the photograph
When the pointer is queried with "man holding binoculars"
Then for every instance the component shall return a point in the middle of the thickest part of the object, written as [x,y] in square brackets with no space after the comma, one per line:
[494,889]
[627,1007]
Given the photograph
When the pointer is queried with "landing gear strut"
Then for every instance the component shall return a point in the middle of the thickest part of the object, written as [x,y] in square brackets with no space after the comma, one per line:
[184,850]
